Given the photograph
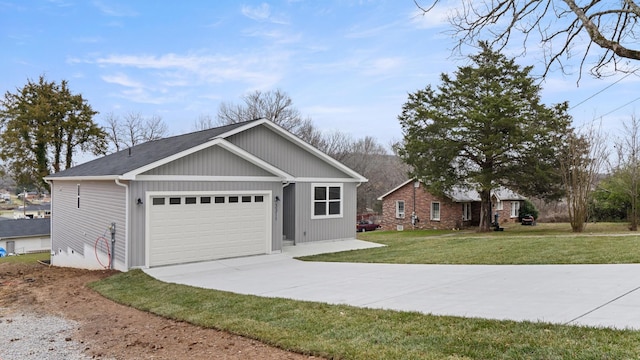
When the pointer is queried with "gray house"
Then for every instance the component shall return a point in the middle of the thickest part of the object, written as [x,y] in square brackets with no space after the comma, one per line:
[237,190]
[21,236]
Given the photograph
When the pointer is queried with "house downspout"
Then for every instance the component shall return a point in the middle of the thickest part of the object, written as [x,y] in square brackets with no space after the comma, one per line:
[126,232]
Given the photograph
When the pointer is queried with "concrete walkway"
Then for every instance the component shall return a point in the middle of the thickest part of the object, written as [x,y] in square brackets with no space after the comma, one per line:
[592,295]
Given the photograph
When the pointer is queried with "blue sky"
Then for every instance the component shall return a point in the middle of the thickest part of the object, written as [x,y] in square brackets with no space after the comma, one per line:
[348,65]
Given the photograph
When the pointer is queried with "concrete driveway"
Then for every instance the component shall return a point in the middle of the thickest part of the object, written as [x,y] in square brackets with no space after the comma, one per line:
[592,295]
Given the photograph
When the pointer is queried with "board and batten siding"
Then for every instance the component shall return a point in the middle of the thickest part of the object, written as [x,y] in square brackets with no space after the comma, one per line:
[138,189]
[284,154]
[73,226]
[211,161]
[308,229]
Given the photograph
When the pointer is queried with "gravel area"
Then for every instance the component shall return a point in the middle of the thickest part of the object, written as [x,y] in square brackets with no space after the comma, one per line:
[28,336]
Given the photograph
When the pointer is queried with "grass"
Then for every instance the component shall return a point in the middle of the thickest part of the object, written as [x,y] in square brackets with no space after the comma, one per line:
[26,258]
[541,244]
[346,332]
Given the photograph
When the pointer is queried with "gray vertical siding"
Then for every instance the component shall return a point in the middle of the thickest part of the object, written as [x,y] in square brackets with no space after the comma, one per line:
[284,154]
[289,213]
[308,229]
[101,203]
[138,189]
[211,161]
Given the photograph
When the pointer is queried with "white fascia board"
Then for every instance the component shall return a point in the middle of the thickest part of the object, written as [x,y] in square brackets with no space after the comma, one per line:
[394,189]
[208,178]
[329,180]
[134,175]
[328,159]
[82,178]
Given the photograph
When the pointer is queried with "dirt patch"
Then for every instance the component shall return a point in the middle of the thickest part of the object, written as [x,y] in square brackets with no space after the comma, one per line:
[108,330]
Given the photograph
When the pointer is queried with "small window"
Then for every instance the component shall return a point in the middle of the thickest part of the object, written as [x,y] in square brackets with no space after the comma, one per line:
[258,198]
[190,200]
[158,201]
[78,196]
[400,209]
[327,200]
[435,211]
[466,211]
[174,201]
[499,205]
[219,200]
[205,200]
[246,199]
[233,199]
[515,209]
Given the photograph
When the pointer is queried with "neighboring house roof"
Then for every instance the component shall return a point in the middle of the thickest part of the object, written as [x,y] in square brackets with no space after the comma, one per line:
[34,207]
[17,228]
[126,164]
[460,194]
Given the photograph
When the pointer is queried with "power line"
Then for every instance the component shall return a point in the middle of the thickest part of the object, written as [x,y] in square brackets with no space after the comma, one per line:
[601,91]
[620,107]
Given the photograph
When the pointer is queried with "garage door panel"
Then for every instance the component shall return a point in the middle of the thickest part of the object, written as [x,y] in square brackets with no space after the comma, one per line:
[197,232]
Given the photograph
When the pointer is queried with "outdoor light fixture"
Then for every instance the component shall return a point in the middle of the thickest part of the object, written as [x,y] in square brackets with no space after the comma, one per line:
[139,202]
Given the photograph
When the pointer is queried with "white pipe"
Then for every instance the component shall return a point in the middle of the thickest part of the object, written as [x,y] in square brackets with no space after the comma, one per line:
[126,230]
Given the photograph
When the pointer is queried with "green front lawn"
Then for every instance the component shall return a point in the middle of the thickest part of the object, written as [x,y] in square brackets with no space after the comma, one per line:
[27,258]
[346,332]
[541,244]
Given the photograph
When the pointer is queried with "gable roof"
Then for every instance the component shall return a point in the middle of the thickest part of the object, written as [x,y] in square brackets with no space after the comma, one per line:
[127,164]
[460,194]
[16,228]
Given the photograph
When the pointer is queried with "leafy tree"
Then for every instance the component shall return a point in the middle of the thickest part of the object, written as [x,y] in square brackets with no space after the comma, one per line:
[41,124]
[610,201]
[557,26]
[528,208]
[482,129]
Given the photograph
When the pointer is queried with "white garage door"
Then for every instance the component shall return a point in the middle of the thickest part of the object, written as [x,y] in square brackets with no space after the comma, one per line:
[188,228]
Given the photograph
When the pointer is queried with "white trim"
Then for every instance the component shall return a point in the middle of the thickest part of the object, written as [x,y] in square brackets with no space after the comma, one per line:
[319,179]
[404,209]
[207,178]
[126,224]
[149,194]
[431,216]
[466,211]
[515,208]
[131,175]
[328,159]
[394,189]
[82,178]
[313,200]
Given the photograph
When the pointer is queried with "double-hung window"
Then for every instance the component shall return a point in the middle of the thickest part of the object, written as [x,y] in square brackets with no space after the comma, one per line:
[466,211]
[326,201]
[435,211]
[515,209]
[399,209]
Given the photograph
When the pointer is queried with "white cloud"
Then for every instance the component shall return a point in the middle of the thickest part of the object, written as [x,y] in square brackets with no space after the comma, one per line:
[122,80]
[259,13]
[436,17]
[114,10]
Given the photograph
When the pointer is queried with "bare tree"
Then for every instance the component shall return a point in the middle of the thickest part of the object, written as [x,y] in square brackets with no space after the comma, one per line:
[580,165]
[557,26]
[133,129]
[204,122]
[626,172]
[276,106]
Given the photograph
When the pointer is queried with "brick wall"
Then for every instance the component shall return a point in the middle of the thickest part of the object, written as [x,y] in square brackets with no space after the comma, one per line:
[450,212]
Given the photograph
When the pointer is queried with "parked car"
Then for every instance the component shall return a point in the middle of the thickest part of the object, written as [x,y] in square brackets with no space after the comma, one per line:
[366,225]
[528,220]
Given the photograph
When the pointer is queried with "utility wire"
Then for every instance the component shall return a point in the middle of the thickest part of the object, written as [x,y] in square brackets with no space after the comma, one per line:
[620,107]
[601,91]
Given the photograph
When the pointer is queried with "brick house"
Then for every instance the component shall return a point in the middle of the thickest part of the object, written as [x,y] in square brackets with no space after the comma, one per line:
[410,206]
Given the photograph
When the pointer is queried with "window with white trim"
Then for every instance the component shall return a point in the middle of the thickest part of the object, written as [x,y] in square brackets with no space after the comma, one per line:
[399,209]
[435,211]
[499,205]
[326,201]
[466,211]
[515,209]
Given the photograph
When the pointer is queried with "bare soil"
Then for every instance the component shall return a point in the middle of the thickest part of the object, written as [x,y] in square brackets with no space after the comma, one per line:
[108,330]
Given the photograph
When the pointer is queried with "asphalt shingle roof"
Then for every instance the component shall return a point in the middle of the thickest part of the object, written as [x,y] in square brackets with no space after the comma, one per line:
[14,228]
[127,160]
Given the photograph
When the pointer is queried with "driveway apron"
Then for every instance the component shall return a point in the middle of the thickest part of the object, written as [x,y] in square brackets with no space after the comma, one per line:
[591,295]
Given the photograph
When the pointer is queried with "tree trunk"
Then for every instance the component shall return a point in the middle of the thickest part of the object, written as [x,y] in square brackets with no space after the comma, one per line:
[485,211]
